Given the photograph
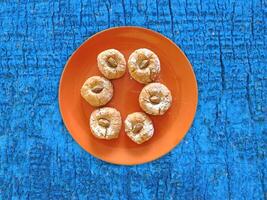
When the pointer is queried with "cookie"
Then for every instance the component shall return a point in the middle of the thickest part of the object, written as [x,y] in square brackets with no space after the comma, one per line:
[139,127]
[155,99]
[97,91]
[105,123]
[144,66]
[111,63]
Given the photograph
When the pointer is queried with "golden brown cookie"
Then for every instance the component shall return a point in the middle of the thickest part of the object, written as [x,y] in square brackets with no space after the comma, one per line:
[155,99]
[144,65]
[111,63]
[139,127]
[105,123]
[97,91]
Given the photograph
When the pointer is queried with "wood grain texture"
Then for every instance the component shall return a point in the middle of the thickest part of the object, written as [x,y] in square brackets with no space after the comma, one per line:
[223,156]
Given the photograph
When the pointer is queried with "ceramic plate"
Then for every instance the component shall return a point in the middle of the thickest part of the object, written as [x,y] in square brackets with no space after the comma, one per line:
[176,74]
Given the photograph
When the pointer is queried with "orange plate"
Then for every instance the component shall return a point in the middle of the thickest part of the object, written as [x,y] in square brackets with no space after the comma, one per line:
[176,74]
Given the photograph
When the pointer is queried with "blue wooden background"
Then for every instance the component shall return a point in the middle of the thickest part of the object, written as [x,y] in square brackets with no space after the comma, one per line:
[223,156]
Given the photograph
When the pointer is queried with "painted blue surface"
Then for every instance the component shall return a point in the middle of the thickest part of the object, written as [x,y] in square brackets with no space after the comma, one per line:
[223,156]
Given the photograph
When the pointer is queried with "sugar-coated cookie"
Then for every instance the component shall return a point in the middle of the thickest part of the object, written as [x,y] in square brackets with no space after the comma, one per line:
[105,123]
[144,65]
[111,63]
[97,91]
[139,127]
[155,99]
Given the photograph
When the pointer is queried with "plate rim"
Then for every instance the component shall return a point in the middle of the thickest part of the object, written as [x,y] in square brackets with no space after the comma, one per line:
[146,160]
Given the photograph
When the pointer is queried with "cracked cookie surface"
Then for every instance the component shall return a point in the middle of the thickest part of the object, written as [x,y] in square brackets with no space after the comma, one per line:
[111,63]
[155,99]
[139,127]
[97,91]
[144,65]
[105,123]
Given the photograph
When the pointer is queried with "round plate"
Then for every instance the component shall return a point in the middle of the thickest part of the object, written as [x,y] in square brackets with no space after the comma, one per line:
[176,74]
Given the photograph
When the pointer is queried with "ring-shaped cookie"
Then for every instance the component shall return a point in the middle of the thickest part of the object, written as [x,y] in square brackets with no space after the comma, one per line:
[97,91]
[105,123]
[139,127]
[111,63]
[144,65]
[155,99]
